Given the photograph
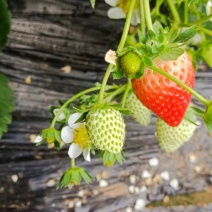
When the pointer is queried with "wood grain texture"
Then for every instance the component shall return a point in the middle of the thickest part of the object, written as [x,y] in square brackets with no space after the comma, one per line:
[46,36]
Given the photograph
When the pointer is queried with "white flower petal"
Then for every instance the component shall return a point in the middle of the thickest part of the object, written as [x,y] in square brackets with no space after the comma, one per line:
[110,57]
[61,116]
[116,13]
[135,20]
[38,139]
[208,7]
[67,134]
[86,154]
[74,151]
[72,119]
[112,3]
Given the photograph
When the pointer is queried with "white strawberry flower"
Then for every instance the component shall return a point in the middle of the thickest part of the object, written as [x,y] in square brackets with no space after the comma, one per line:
[120,8]
[61,114]
[77,135]
[38,139]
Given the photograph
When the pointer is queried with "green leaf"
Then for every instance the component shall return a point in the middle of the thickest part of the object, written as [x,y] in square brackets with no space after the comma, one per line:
[6,104]
[171,53]
[4,23]
[93,2]
[186,35]
[190,116]
[207,117]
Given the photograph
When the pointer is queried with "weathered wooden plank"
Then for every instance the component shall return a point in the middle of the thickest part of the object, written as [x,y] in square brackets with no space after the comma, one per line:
[46,36]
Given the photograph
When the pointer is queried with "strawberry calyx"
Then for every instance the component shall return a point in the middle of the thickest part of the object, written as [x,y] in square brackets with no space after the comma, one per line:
[110,158]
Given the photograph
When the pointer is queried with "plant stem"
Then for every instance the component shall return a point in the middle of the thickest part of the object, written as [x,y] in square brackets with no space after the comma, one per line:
[124,97]
[148,14]
[190,90]
[174,11]
[142,16]
[185,11]
[115,93]
[119,49]
[73,98]
[72,163]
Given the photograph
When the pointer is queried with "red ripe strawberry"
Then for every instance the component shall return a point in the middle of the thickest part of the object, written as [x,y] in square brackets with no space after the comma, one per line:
[165,98]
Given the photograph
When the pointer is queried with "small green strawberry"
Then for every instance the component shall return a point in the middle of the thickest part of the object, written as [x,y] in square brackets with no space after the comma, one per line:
[129,63]
[140,113]
[106,129]
[172,138]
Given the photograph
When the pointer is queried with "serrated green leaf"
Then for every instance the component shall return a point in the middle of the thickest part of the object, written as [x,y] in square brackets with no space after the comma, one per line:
[171,53]
[4,23]
[186,35]
[173,35]
[6,104]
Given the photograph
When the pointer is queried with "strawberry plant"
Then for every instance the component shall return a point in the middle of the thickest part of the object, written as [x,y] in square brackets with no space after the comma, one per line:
[158,59]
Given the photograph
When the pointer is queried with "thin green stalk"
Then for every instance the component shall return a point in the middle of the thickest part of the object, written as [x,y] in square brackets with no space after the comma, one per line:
[190,90]
[202,20]
[115,93]
[72,163]
[185,11]
[126,26]
[124,97]
[148,14]
[142,16]
[174,11]
[119,49]
[74,98]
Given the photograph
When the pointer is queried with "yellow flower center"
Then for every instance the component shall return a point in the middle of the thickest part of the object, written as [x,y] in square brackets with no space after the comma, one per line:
[81,137]
[125,4]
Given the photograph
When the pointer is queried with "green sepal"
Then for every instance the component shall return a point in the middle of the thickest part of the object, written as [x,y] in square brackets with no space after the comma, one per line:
[186,35]
[207,117]
[117,73]
[121,109]
[74,176]
[140,73]
[51,135]
[4,23]
[110,158]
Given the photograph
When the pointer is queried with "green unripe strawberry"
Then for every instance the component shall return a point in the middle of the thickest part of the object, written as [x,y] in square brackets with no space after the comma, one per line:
[172,138]
[106,129]
[129,63]
[140,113]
